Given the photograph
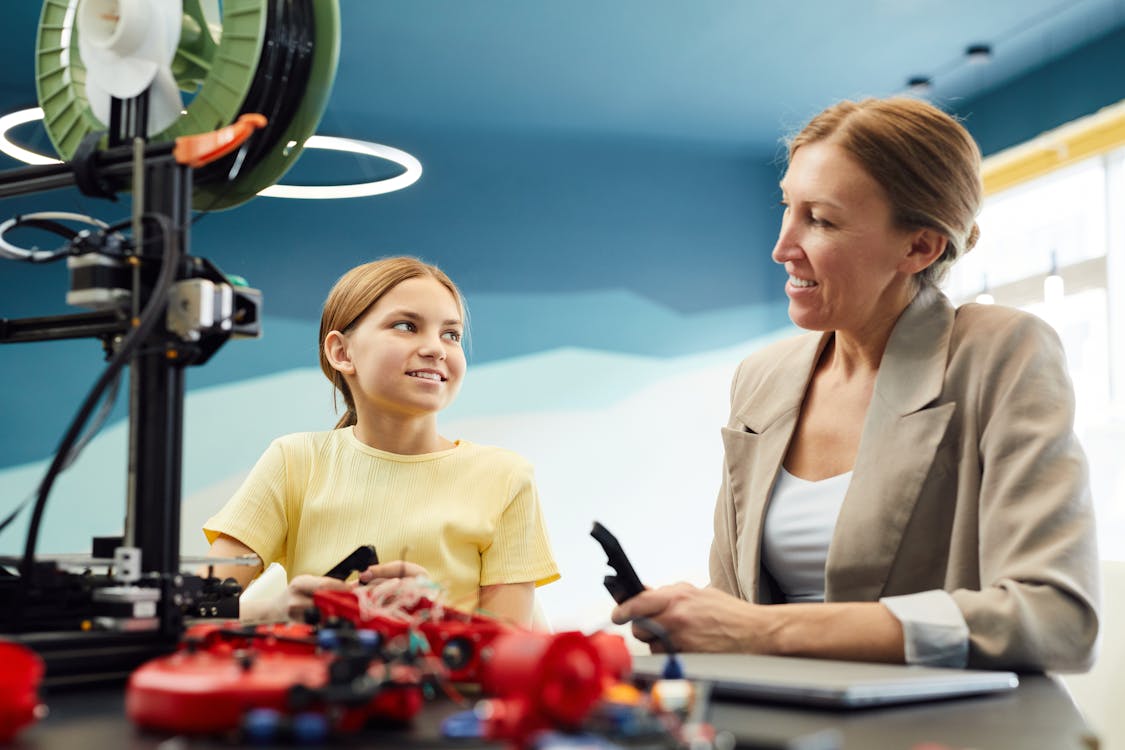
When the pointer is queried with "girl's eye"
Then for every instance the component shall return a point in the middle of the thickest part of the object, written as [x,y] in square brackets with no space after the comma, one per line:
[404,325]
[454,336]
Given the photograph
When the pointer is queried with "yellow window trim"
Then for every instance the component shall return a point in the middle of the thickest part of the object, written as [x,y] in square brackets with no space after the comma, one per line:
[1085,137]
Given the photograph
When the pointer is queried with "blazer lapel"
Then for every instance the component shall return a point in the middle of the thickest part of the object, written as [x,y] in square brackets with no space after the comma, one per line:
[901,435]
[755,447]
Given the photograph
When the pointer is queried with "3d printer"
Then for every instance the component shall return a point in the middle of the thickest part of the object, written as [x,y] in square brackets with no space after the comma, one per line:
[185,107]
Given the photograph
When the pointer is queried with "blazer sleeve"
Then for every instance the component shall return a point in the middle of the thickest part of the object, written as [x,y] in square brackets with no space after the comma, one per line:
[1037,607]
[723,571]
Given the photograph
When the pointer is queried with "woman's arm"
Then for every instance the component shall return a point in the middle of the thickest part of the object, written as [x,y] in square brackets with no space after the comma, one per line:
[711,620]
[509,602]
[1037,607]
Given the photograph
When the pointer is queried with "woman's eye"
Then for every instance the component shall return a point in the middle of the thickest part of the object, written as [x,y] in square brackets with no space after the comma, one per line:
[817,221]
[404,325]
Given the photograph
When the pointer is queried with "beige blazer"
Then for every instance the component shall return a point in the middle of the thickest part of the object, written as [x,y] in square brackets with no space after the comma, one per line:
[969,478]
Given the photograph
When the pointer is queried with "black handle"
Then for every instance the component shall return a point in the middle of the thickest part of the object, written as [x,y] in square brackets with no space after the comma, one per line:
[625,585]
[358,560]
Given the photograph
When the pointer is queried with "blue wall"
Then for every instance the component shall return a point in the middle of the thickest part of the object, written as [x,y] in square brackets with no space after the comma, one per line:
[557,241]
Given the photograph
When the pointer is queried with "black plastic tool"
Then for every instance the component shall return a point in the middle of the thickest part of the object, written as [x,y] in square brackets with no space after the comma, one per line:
[363,557]
[625,585]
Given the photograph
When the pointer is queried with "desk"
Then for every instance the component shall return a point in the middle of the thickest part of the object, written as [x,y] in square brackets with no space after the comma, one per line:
[1039,714]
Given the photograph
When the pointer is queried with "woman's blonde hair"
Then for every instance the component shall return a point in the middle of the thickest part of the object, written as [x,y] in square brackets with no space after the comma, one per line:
[354,294]
[925,160]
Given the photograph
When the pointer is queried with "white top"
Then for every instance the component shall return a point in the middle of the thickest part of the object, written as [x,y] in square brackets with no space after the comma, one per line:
[799,524]
[800,520]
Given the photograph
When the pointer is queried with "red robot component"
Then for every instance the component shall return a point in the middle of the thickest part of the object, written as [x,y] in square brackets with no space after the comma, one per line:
[455,637]
[370,658]
[219,676]
[19,689]
[547,681]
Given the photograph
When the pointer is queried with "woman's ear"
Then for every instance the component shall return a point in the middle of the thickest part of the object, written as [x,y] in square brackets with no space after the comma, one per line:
[926,246]
[337,352]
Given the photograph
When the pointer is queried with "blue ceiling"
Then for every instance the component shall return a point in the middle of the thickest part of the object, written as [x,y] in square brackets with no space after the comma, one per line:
[734,72]
[730,72]
[575,145]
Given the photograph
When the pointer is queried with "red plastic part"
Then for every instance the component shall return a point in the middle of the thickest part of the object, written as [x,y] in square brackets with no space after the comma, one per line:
[542,681]
[209,687]
[19,689]
[470,634]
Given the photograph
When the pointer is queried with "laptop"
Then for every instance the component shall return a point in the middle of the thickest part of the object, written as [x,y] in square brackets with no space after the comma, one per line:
[823,682]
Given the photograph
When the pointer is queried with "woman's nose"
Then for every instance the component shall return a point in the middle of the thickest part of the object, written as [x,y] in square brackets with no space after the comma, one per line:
[787,246]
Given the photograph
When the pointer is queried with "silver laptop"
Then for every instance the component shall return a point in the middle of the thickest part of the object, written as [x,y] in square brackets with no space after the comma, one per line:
[822,682]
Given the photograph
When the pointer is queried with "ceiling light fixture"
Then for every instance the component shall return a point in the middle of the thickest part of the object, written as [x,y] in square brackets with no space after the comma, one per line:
[15,119]
[978,54]
[412,167]
[919,85]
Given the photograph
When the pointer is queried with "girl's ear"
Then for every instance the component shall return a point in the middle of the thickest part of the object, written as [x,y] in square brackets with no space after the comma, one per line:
[337,352]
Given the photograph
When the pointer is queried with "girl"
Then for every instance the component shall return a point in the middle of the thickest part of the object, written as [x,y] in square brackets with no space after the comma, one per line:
[466,515]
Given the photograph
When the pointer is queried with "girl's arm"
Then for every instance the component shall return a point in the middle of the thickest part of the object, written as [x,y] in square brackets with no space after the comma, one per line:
[228,546]
[509,602]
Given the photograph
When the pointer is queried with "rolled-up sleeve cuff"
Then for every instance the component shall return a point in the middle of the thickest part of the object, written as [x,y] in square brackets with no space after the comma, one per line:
[933,628]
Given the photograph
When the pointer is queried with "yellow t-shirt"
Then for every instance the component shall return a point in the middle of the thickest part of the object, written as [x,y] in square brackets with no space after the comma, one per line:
[470,514]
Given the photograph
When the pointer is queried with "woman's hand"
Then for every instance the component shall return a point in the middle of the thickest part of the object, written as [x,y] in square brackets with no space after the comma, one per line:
[393,569]
[301,590]
[709,620]
[698,619]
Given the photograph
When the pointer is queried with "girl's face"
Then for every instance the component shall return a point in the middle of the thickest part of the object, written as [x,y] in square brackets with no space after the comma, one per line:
[838,241]
[404,356]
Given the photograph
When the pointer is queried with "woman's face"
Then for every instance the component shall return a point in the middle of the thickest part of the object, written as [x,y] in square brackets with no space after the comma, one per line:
[839,244]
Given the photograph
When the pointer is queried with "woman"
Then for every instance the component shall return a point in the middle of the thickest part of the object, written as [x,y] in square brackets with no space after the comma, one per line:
[905,481]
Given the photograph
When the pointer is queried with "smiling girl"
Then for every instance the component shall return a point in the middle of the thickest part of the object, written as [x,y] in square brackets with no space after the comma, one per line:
[466,515]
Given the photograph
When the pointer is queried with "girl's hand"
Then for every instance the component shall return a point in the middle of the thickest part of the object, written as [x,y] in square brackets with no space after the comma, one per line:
[301,590]
[697,619]
[393,569]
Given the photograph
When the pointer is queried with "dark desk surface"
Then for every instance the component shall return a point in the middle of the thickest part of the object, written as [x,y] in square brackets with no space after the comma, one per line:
[1039,714]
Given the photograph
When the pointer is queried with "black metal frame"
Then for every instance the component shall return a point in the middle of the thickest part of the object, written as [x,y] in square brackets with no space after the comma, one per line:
[156,398]
[156,382]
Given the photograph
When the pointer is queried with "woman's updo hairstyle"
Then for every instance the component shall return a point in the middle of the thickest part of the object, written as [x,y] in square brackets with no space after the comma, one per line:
[926,161]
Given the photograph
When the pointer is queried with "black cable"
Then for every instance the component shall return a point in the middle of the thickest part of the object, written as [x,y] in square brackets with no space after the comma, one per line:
[50,226]
[46,221]
[152,314]
[284,67]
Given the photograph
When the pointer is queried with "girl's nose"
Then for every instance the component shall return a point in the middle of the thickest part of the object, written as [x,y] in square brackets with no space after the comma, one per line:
[431,347]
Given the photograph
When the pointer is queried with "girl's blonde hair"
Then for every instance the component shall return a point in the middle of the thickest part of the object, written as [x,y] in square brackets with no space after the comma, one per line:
[355,293]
